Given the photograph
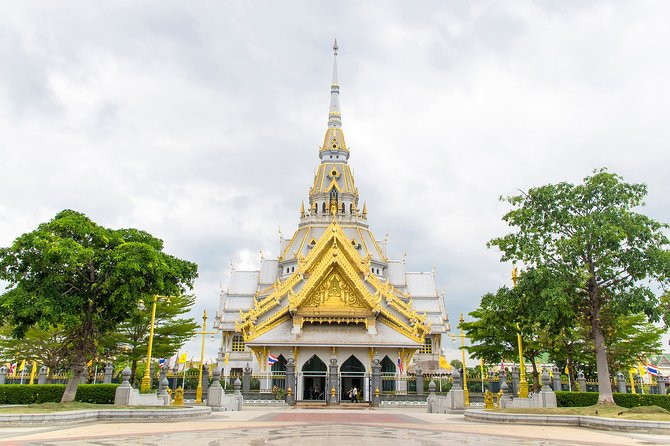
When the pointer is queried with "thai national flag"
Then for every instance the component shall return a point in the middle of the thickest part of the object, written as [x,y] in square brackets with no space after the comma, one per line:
[161,362]
[399,365]
[12,368]
[272,359]
[652,369]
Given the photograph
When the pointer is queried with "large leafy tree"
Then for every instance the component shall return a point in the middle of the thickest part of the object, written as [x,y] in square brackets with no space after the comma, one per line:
[74,273]
[130,340]
[590,235]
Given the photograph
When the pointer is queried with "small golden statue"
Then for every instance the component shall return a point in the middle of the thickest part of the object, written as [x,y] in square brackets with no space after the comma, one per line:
[488,400]
[178,397]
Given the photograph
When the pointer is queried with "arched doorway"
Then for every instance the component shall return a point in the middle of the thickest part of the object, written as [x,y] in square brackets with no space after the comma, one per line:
[314,379]
[278,372]
[352,375]
[388,375]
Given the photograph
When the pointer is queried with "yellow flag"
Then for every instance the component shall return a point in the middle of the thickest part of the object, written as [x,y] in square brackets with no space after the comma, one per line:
[567,372]
[444,364]
[182,358]
[23,365]
[32,372]
[89,363]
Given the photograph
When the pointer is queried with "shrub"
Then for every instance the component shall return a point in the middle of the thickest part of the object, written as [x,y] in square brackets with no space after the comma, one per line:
[52,393]
[582,399]
[576,399]
[31,393]
[96,393]
[630,400]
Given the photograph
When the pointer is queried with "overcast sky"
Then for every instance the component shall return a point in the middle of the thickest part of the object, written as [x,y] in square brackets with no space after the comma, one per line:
[200,121]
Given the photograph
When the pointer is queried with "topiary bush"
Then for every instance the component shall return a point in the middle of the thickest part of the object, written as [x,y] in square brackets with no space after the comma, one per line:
[96,393]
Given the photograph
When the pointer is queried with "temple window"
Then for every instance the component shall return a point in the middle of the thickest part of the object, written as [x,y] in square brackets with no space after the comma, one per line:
[427,346]
[323,207]
[238,344]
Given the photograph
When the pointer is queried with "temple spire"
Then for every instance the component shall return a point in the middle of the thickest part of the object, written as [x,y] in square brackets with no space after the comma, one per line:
[334,117]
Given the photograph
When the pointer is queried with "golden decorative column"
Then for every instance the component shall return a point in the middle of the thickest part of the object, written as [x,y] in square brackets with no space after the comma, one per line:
[466,394]
[145,387]
[523,384]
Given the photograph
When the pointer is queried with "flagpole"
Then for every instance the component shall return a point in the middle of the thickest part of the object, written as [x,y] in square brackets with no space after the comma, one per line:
[95,374]
[183,381]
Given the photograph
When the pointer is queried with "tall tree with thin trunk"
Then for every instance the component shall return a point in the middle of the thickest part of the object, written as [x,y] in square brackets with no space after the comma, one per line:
[590,235]
[73,273]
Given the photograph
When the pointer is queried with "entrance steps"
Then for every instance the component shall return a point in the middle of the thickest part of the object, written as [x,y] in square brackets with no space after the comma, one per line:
[323,405]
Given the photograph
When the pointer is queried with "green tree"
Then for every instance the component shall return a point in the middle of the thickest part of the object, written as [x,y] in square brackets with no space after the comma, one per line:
[131,339]
[50,347]
[630,340]
[494,330]
[589,235]
[73,273]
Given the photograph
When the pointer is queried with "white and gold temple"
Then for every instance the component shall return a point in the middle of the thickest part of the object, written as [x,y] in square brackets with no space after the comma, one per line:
[331,293]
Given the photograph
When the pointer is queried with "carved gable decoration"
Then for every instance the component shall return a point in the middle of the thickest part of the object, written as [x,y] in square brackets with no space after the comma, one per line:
[334,293]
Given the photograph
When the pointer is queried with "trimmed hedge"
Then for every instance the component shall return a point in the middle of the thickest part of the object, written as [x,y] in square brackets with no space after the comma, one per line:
[576,399]
[52,393]
[96,393]
[31,393]
[582,399]
[630,400]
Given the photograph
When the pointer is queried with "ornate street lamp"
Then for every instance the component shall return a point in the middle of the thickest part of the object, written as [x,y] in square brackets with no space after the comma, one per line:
[145,387]
[466,394]
[203,332]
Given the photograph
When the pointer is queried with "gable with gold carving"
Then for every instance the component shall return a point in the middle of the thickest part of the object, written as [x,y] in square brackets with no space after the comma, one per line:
[333,284]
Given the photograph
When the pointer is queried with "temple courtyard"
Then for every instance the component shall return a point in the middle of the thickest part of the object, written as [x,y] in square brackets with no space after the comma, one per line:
[296,427]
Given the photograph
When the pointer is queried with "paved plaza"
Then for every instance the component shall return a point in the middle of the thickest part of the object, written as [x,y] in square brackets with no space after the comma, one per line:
[297,427]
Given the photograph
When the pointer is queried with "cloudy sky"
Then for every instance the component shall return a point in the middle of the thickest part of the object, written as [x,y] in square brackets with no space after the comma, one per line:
[200,121]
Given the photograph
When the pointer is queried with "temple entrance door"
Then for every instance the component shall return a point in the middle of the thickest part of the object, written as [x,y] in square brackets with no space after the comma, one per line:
[352,374]
[314,380]
[388,375]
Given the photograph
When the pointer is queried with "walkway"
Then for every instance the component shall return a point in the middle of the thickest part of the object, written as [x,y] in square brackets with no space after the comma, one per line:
[282,426]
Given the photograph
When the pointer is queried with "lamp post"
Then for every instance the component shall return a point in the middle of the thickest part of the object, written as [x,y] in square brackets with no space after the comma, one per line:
[145,387]
[523,384]
[465,369]
[203,332]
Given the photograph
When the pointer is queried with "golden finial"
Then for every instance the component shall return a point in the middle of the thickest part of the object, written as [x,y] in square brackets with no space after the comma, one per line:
[365,210]
[515,276]
[302,209]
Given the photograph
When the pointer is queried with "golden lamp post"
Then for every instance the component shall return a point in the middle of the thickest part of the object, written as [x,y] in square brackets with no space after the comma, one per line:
[465,369]
[145,387]
[523,384]
[203,332]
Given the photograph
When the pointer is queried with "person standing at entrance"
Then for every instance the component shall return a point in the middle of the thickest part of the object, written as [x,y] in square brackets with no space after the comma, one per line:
[354,394]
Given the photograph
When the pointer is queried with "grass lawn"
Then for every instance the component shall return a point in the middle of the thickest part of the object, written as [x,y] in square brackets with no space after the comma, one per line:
[647,413]
[60,407]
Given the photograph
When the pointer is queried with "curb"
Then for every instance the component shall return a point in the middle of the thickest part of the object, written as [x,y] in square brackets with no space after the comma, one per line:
[569,420]
[82,416]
